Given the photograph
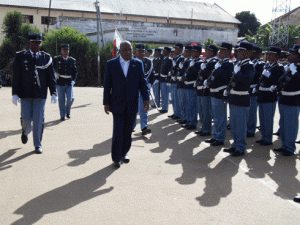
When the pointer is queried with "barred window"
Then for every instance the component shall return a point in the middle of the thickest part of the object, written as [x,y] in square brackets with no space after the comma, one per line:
[45,19]
[27,19]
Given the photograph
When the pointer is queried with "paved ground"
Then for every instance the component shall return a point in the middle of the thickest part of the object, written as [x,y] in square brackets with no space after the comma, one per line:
[173,177]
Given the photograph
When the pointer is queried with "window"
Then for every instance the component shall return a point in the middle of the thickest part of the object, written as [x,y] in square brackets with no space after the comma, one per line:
[27,19]
[52,20]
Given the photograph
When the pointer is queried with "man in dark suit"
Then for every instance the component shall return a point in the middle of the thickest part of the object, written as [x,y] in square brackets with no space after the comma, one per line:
[124,78]
[33,75]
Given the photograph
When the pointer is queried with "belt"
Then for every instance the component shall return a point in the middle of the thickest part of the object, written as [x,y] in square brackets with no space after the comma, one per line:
[285,93]
[253,85]
[156,74]
[189,82]
[200,87]
[218,89]
[162,75]
[239,92]
[264,89]
[173,78]
[65,76]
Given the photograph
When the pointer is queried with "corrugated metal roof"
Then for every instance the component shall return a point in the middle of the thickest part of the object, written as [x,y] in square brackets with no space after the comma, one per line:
[158,8]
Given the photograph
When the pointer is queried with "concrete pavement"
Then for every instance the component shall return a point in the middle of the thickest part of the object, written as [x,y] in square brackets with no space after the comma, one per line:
[173,177]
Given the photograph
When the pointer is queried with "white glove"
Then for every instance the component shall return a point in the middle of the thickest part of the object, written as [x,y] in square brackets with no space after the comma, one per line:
[72,82]
[225,93]
[57,75]
[217,65]
[273,87]
[236,69]
[286,67]
[266,73]
[254,91]
[53,99]
[155,82]
[205,83]
[174,63]
[180,65]
[192,63]
[293,68]
[169,84]
[15,99]
[203,66]
[195,85]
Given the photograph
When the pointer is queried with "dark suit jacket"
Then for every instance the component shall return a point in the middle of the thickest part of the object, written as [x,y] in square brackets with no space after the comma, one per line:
[122,92]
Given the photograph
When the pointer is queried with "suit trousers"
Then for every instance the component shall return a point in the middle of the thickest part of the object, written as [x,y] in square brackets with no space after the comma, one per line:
[32,111]
[182,103]
[164,95]
[204,103]
[252,119]
[65,93]
[191,107]
[219,109]
[266,120]
[238,126]
[289,117]
[122,130]
[175,100]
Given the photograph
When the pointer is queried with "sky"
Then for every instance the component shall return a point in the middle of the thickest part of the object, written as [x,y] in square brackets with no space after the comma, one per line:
[261,8]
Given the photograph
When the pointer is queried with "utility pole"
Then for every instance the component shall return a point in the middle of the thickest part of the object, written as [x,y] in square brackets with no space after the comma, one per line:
[49,16]
[98,38]
[280,33]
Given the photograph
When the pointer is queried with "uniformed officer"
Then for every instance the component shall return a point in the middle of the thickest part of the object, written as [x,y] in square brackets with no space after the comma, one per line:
[156,76]
[239,99]
[183,65]
[148,67]
[33,74]
[217,82]
[66,74]
[258,68]
[289,101]
[149,53]
[266,96]
[166,67]
[204,99]
[191,75]
[173,81]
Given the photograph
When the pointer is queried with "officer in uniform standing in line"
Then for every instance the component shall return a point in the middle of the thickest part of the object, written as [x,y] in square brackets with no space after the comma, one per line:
[267,98]
[66,74]
[239,99]
[166,67]
[148,67]
[148,54]
[289,101]
[33,75]
[217,82]
[204,100]
[173,80]
[191,75]
[156,80]
[182,67]
[258,68]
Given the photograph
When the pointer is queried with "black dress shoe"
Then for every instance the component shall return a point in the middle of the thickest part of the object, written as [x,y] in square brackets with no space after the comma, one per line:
[117,164]
[237,153]
[183,122]
[259,141]
[38,150]
[191,127]
[175,117]
[287,153]
[228,127]
[171,116]
[297,199]
[217,143]
[24,138]
[210,140]
[163,111]
[229,150]
[278,149]
[153,106]
[146,131]
[185,126]
[204,134]
[277,133]
[179,120]
[62,118]
[265,143]
[297,142]
[68,116]
[250,135]
[198,132]
[126,159]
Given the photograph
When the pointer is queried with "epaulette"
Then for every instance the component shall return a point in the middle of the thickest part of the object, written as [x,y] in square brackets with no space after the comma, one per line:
[20,51]
[280,64]
[45,53]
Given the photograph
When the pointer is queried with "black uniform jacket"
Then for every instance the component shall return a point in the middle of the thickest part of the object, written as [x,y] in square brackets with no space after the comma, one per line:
[65,68]
[258,69]
[181,72]
[192,74]
[166,67]
[26,84]
[175,69]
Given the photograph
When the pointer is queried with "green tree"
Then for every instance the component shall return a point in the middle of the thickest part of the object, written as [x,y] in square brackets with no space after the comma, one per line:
[209,42]
[248,22]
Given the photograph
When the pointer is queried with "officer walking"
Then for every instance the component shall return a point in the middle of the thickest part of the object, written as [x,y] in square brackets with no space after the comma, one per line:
[33,75]
[66,74]
[239,99]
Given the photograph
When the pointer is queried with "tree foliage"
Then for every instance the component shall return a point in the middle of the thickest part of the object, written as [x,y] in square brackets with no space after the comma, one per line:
[249,22]
[209,42]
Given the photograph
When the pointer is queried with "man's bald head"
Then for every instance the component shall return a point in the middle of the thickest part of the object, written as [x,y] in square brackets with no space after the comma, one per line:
[126,50]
